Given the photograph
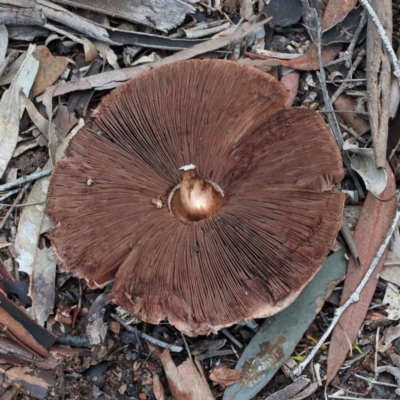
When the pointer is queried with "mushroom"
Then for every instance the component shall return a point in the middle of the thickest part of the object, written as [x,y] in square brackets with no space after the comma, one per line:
[205,198]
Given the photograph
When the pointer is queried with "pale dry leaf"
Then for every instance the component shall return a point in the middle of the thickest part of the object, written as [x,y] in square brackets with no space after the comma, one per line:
[3,42]
[107,53]
[363,162]
[395,242]
[25,147]
[224,375]
[90,50]
[392,301]
[391,334]
[153,57]
[40,122]
[12,107]
[39,264]
[7,78]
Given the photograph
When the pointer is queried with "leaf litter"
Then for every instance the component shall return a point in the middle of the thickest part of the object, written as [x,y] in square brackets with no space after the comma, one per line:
[49,92]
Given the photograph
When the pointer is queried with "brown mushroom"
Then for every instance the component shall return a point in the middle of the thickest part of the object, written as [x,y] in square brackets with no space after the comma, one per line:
[205,198]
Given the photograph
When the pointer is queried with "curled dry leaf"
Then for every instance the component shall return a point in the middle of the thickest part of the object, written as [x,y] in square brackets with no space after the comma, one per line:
[224,375]
[186,382]
[363,162]
[158,389]
[12,107]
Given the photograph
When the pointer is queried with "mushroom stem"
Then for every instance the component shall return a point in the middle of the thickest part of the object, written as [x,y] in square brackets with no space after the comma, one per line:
[195,198]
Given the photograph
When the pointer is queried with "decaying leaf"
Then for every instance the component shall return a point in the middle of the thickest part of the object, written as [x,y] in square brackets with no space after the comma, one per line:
[50,69]
[372,227]
[158,389]
[224,375]
[363,162]
[279,335]
[336,11]
[391,301]
[39,264]
[391,334]
[12,107]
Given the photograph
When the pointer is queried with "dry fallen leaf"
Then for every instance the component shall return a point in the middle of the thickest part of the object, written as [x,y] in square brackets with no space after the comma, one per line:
[3,42]
[186,382]
[39,264]
[158,389]
[12,107]
[225,376]
[49,71]
[363,162]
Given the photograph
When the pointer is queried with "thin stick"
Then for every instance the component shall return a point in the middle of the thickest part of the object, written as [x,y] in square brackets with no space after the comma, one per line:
[9,194]
[354,40]
[385,40]
[144,336]
[352,398]
[353,298]
[22,181]
[375,382]
[346,84]
[333,123]
[7,61]
[16,201]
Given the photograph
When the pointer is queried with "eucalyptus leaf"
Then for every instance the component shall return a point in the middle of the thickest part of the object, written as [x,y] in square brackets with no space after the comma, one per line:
[279,335]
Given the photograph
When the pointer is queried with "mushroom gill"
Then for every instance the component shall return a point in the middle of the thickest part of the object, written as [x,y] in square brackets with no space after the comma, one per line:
[248,209]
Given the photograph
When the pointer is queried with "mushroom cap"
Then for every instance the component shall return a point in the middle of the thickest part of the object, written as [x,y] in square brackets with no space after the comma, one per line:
[252,257]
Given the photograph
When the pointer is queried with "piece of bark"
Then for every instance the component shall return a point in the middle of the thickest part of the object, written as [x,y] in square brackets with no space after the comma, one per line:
[35,383]
[186,382]
[7,347]
[163,15]
[379,79]
[10,15]
[28,33]
[38,336]
[372,227]
[111,79]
